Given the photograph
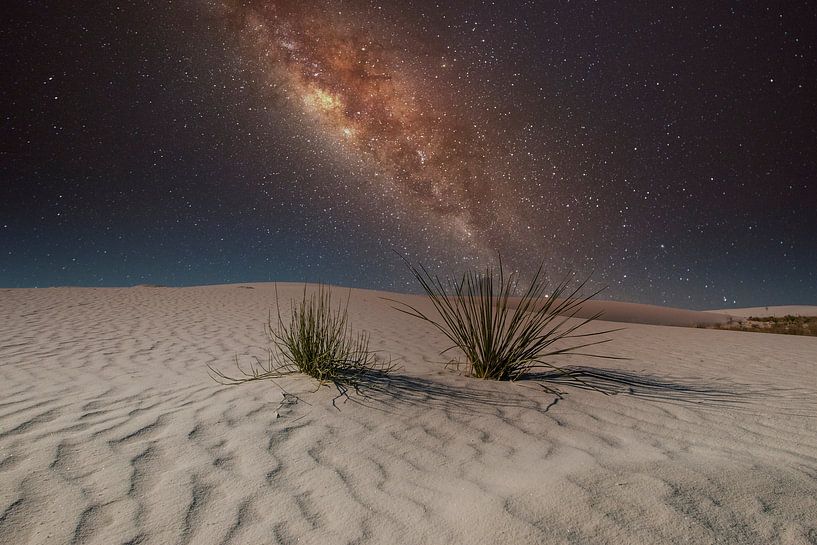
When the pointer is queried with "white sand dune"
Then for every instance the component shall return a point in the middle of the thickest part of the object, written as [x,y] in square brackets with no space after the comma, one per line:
[638,313]
[111,432]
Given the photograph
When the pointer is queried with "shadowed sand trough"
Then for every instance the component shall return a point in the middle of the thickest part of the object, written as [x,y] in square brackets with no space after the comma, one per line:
[111,432]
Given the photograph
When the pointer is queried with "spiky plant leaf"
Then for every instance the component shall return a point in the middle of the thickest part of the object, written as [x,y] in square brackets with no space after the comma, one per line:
[502,335]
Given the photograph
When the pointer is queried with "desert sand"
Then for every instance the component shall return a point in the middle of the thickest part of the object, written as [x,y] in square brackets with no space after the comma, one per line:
[111,432]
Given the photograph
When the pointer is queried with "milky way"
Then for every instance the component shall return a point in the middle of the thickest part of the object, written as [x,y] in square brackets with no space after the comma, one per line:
[666,148]
[363,93]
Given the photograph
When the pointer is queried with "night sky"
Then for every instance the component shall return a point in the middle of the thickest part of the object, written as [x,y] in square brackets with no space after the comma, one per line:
[669,150]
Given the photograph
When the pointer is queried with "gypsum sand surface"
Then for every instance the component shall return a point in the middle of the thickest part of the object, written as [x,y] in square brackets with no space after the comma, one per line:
[112,432]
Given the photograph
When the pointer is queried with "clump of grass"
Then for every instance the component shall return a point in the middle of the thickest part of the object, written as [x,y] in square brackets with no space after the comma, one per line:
[318,341]
[505,336]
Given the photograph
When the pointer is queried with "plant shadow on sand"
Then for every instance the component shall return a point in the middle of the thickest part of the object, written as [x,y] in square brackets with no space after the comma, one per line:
[677,390]
[388,391]
[617,382]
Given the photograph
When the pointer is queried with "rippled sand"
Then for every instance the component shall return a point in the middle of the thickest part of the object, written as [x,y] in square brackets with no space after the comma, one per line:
[111,432]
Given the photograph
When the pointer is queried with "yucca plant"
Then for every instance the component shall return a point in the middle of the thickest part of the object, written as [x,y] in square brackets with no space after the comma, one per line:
[505,332]
[318,342]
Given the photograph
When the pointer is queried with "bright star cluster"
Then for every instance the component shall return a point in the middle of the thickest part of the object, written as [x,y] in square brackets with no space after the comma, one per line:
[368,95]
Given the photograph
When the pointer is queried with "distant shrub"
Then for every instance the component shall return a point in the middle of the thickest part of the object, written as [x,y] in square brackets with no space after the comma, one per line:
[785,325]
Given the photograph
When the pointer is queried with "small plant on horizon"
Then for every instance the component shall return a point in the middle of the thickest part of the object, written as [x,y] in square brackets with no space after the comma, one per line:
[505,332]
[318,342]
[785,325]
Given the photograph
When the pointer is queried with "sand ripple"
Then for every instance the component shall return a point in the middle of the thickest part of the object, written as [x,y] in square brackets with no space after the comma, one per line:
[112,433]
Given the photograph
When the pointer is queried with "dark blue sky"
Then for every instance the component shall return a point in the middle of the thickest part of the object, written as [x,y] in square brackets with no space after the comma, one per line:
[671,151]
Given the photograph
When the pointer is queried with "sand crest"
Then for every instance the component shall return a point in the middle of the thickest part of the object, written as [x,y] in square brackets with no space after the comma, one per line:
[778,311]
